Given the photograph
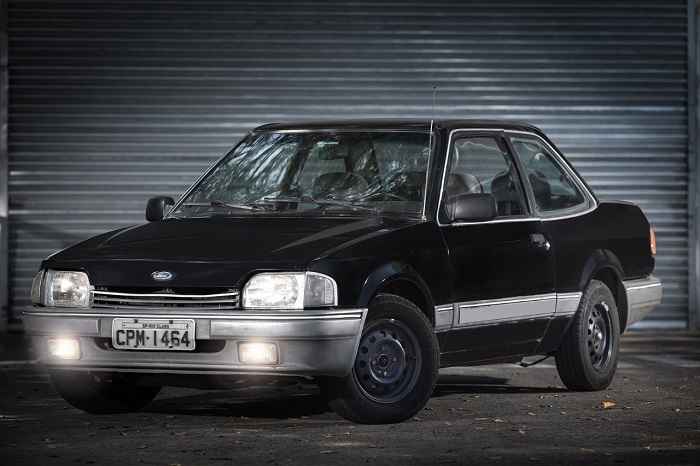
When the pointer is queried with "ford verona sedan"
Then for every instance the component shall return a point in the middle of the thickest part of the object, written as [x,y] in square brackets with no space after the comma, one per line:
[363,255]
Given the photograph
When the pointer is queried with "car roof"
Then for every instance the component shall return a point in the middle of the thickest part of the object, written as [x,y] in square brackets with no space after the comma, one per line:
[397,124]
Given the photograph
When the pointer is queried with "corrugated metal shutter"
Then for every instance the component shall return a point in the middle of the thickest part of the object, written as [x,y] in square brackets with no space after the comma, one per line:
[112,102]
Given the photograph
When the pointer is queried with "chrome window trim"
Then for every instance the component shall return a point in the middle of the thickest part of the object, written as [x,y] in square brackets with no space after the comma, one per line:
[343,130]
[564,217]
[562,164]
[488,222]
[206,172]
[559,159]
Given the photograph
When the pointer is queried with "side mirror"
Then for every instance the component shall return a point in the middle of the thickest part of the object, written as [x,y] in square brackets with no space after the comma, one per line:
[155,209]
[471,208]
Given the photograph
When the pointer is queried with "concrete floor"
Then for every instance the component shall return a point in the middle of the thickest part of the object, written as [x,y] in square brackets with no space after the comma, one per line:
[485,415]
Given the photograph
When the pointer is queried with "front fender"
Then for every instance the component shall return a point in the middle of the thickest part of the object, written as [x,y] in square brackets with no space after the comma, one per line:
[388,273]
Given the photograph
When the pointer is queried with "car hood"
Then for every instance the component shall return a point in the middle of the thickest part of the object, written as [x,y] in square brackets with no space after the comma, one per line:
[213,252]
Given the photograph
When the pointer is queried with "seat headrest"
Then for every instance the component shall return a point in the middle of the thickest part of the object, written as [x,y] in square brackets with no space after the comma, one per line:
[458,183]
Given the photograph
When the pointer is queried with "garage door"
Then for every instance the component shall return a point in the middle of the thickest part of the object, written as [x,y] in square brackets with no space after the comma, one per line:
[113,102]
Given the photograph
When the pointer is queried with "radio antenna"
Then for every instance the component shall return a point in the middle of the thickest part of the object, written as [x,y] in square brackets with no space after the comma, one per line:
[435,90]
[432,120]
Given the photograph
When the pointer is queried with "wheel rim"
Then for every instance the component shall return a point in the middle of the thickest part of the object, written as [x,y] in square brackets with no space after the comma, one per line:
[388,361]
[599,339]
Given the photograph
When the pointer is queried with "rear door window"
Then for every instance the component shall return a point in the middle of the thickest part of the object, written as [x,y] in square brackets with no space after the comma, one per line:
[553,188]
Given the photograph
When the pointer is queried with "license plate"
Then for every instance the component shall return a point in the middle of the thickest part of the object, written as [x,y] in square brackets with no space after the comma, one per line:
[153,334]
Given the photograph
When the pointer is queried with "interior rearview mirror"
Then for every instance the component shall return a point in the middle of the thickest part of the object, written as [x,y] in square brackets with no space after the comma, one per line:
[477,207]
[156,207]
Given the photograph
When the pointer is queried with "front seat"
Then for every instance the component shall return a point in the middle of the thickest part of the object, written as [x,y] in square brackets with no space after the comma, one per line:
[506,194]
[407,185]
[339,185]
[462,184]
[542,190]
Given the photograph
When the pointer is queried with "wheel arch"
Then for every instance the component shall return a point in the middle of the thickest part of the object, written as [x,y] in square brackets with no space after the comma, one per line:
[402,280]
[603,265]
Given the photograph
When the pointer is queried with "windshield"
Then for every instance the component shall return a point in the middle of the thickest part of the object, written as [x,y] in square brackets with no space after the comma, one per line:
[315,173]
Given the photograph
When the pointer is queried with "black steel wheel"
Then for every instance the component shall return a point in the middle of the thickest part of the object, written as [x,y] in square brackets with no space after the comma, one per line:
[388,361]
[587,359]
[599,331]
[395,369]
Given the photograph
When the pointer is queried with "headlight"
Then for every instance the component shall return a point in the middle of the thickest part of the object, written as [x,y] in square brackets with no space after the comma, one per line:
[62,289]
[294,290]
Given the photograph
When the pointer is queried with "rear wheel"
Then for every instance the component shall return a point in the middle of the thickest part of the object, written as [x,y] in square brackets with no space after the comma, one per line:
[102,393]
[395,369]
[587,359]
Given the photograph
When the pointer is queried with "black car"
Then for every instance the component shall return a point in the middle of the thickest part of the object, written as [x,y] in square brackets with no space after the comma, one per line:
[363,254]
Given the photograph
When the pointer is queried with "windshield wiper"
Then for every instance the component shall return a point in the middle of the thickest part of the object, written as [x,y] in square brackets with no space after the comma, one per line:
[218,203]
[319,202]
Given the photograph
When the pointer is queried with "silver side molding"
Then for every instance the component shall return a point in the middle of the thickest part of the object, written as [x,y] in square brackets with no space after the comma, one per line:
[643,295]
[567,303]
[504,310]
[444,316]
[513,309]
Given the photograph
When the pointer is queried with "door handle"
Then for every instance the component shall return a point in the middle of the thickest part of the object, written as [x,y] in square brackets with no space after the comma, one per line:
[540,241]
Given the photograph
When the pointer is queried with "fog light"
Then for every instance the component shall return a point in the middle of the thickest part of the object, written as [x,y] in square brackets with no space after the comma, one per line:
[64,348]
[257,353]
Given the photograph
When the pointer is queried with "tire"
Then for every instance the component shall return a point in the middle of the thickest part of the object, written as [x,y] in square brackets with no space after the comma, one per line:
[385,387]
[104,393]
[587,359]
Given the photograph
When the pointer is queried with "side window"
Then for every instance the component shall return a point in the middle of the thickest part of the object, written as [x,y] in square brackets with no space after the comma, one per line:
[552,187]
[479,165]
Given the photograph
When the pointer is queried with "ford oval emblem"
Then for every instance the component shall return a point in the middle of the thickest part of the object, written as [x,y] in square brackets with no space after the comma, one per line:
[162,275]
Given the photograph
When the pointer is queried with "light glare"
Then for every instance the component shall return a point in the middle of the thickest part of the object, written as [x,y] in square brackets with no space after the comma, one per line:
[68,289]
[257,353]
[289,290]
[275,290]
[64,348]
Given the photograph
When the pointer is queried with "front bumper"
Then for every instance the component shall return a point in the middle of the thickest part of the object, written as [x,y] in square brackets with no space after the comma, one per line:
[311,343]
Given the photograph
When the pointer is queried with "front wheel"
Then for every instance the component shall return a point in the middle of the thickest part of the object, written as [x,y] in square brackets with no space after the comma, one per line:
[102,393]
[395,369]
[587,359]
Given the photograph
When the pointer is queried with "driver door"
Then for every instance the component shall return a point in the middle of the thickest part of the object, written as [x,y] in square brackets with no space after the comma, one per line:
[502,270]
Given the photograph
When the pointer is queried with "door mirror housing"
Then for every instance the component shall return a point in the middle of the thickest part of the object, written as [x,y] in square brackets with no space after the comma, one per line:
[156,207]
[476,207]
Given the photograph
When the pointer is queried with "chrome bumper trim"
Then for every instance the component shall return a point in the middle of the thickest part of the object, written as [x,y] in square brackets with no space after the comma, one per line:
[310,342]
[643,295]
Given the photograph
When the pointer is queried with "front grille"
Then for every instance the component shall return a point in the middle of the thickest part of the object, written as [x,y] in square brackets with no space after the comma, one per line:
[164,299]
